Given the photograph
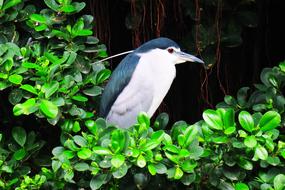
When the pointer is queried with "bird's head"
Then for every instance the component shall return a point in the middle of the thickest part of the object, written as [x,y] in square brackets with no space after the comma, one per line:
[167,49]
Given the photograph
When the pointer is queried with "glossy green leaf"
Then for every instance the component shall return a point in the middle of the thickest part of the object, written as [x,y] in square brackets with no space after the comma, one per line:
[81,166]
[229,118]
[270,120]
[151,168]
[246,121]
[213,119]
[52,4]
[76,127]
[55,165]
[48,108]
[68,8]
[29,106]
[84,153]
[120,172]
[102,76]
[279,182]
[178,173]
[141,162]
[250,141]
[230,130]
[50,88]
[242,96]
[15,96]
[94,91]
[29,88]
[261,152]
[101,150]
[190,134]
[117,160]
[10,3]
[143,119]
[8,64]
[38,18]
[97,181]
[80,98]
[79,140]
[15,79]
[20,154]
[19,135]
[245,164]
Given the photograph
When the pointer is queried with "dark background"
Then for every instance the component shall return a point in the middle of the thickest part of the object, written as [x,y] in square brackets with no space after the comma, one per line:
[263,46]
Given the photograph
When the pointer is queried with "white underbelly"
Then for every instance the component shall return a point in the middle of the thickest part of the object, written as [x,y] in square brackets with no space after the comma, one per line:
[162,75]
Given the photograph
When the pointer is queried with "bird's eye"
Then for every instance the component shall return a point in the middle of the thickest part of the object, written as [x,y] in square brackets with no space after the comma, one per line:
[170,50]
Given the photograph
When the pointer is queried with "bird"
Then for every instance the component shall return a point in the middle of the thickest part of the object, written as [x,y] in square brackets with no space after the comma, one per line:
[141,81]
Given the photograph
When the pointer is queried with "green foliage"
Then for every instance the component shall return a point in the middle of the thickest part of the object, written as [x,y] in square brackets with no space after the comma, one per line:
[46,73]
[106,153]
[16,154]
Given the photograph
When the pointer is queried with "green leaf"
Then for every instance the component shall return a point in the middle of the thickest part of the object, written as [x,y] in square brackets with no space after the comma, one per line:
[84,153]
[229,118]
[190,134]
[68,8]
[241,186]
[261,152]
[50,88]
[10,3]
[15,79]
[279,182]
[242,95]
[15,96]
[151,168]
[101,150]
[117,160]
[118,140]
[94,91]
[120,172]
[52,5]
[102,76]
[8,64]
[141,162]
[78,26]
[29,106]
[245,164]
[38,18]
[246,121]
[160,168]
[19,154]
[81,166]
[84,32]
[55,165]
[48,108]
[19,135]
[80,141]
[76,127]
[213,119]
[230,130]
[250,141]
[80,98]
[270,120]
[178,173]
[97,181]
[143,119]
[29,88]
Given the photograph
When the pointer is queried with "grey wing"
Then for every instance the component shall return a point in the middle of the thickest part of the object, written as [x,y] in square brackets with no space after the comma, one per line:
[135,98]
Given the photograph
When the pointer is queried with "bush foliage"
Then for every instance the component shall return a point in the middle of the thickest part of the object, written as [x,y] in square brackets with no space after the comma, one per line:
[46,73]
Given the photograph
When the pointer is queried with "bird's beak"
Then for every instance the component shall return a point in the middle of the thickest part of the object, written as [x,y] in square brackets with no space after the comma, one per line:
[187,57]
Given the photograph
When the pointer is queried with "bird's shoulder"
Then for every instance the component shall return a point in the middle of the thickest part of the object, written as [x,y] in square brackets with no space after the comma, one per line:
[119,79]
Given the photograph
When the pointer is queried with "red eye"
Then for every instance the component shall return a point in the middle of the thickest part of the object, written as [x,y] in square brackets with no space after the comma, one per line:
[170,50]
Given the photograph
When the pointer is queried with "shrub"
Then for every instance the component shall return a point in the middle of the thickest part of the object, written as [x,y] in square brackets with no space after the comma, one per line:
[46,73]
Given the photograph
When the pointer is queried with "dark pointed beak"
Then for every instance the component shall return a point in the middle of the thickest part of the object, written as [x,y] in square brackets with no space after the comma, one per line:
[188,57]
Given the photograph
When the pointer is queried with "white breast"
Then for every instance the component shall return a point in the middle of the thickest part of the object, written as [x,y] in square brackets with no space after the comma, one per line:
[161,71]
